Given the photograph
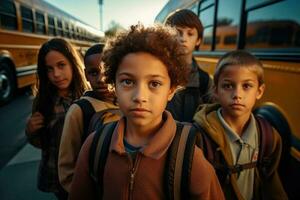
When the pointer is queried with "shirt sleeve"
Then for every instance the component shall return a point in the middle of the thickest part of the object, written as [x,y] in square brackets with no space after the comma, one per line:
[70,145]
[204,181]
[35,138]
[83,186]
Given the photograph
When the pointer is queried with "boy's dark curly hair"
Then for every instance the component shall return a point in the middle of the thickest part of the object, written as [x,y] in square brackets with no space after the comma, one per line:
[158,40]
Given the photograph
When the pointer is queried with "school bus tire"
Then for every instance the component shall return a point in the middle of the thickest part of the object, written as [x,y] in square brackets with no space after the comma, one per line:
[7,83]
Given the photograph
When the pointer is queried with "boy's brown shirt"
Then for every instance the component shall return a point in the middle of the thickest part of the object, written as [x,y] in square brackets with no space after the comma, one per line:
[149,166]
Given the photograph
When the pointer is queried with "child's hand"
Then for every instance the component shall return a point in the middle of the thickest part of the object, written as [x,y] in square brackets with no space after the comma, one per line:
[35,122]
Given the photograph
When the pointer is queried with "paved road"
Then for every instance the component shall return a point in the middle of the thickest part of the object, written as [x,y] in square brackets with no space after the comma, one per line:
[19,161]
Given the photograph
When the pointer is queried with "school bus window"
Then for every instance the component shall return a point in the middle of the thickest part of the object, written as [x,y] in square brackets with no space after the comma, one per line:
[78,33]
[194,8]
[206,3]
[51,25]
[8,18]
[266,29]
[27,19]
[70,30]
[66,30]
[230,39]
[59,28]
[72,34]
[297,38]
[227,21]
[76,29]
[207,39]
[251,3]
[207,16]
[40,23]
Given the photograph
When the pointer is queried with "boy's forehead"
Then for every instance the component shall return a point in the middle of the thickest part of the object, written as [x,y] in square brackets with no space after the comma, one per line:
[188,28]
[93,60]
[234,70]
[142,62]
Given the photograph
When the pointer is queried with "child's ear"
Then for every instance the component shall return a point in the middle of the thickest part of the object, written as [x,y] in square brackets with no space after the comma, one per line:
[172,91]
[214,92]
[260,91]
[198,42]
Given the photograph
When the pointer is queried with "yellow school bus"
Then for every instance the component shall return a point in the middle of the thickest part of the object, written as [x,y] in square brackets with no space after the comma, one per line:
[269,29]
[24,26]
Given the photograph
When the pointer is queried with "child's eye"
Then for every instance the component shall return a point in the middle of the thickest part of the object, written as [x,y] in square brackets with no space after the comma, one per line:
[49,69]
[61,65]
[227,86]
[179,32]
[190,33]
[93,73]
[126,82]
[247,86]
[155,84]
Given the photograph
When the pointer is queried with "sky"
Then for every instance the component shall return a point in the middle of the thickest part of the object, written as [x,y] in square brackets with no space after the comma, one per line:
[124,12]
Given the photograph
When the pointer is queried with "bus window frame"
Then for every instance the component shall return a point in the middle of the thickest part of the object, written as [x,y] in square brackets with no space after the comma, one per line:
[40,23]
[10,15]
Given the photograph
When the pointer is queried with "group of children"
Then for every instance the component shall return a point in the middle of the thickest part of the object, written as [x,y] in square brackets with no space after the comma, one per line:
[155,82]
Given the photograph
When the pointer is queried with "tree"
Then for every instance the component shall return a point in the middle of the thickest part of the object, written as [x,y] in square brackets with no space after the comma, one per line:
[113,28]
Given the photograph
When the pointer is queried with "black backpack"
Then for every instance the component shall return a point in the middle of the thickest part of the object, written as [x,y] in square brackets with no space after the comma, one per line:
[92,119]
[178,167]
[223,171]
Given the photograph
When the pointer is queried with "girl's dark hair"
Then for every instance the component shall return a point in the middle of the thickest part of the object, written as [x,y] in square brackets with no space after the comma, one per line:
[157,40]
[185,18]
[45,90]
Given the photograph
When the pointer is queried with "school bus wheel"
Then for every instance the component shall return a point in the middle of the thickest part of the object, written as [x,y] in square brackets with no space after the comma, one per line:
[7,83]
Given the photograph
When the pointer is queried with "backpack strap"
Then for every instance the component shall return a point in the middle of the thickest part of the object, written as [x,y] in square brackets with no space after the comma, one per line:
[179,163]
[266,143]
[87,113]
[97,120]
[213,155]
[205,143]
[98,154]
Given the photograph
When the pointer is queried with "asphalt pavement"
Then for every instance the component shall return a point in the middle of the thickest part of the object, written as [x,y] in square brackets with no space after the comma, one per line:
[18,178]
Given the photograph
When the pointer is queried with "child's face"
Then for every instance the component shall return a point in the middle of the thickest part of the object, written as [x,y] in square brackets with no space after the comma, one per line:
[59,71]
[94,74]
[143,89]
[237,91]
[188,39]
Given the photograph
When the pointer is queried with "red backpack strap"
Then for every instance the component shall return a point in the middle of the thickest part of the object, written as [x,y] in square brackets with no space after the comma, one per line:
[266,143]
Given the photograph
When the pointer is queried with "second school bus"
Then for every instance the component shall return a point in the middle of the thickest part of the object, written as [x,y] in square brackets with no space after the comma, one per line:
[24,26]
[269,29]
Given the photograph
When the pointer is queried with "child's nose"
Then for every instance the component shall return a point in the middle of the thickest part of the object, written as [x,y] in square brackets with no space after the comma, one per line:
[56,72]
[140,94]
[237,93]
